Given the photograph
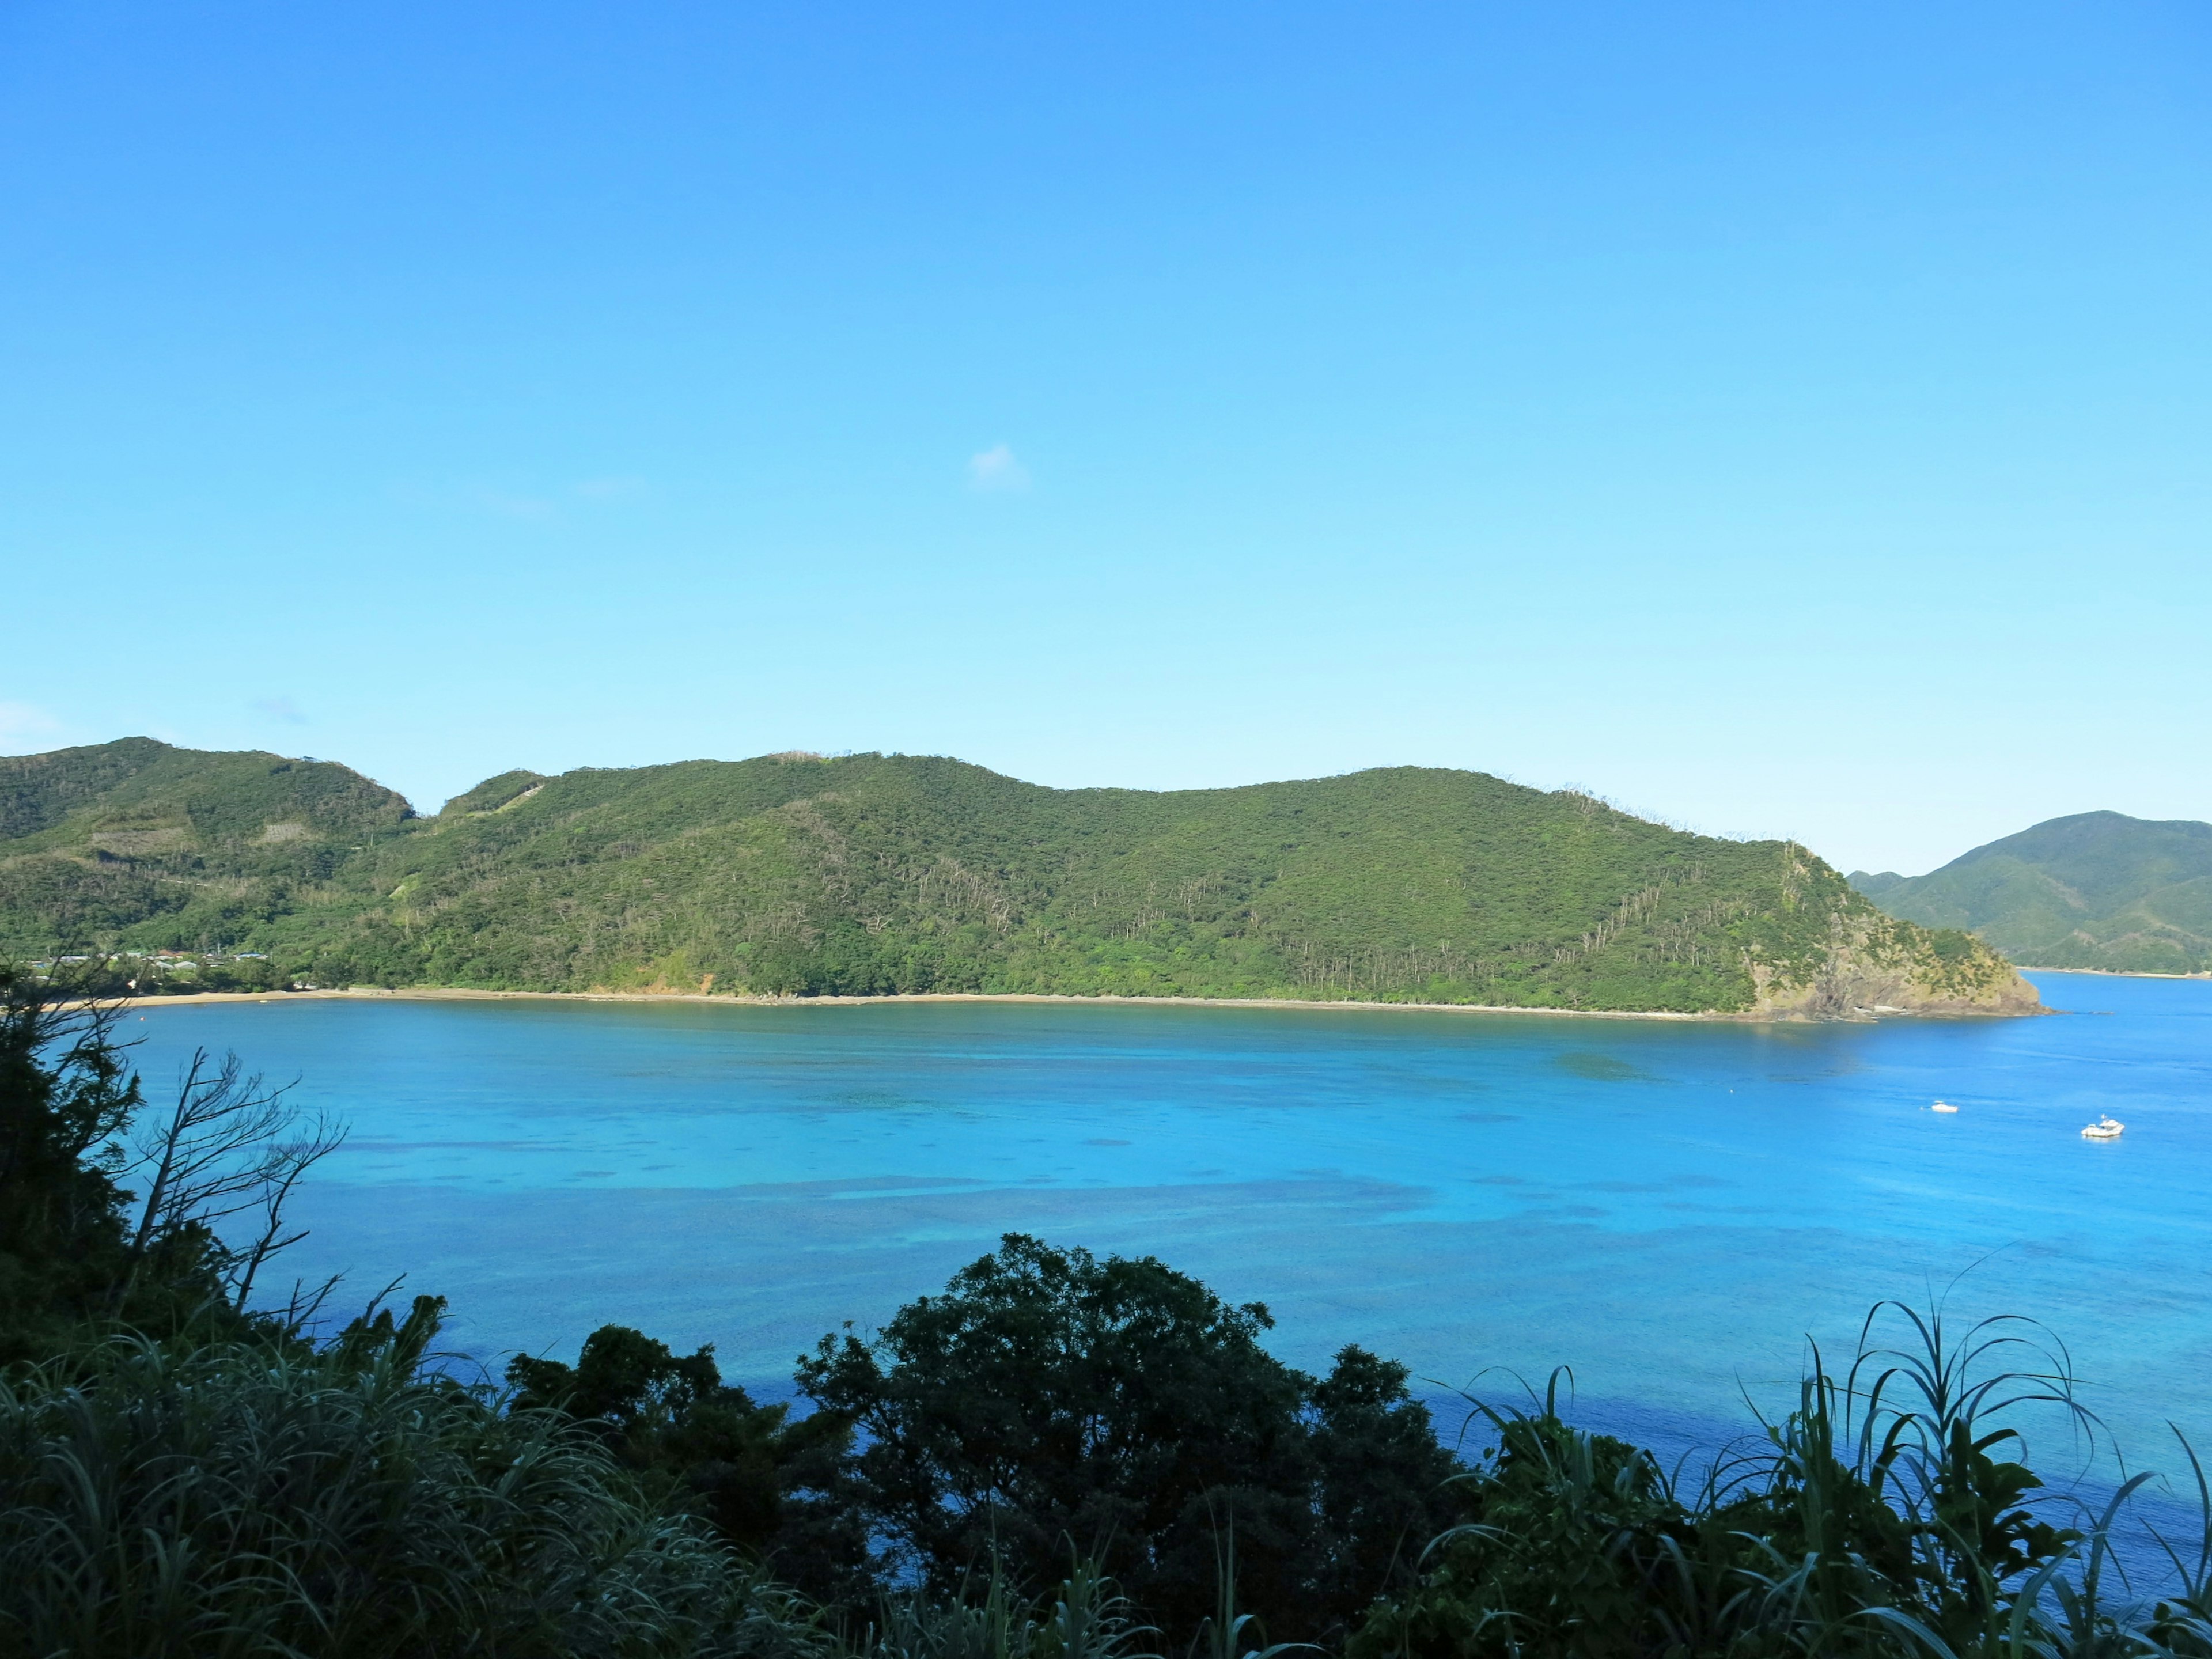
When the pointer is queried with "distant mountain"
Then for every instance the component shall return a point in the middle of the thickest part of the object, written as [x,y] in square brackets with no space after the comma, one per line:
[2099,890]
[871,874]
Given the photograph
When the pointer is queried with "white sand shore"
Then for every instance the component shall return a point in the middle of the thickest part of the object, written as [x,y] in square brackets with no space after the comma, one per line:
[427,993]
[2110,973]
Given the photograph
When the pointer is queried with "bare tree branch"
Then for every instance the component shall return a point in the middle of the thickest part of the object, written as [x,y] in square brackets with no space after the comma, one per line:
[229,1145]
[290,1162]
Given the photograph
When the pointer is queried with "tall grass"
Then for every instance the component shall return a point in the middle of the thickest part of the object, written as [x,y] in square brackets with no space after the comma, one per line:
[268,1499]
[1085,1617]
[246,1501]
[1893,1514]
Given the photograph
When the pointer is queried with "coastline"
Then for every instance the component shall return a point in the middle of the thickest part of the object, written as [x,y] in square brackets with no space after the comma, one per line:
[454,993]
[2112,973]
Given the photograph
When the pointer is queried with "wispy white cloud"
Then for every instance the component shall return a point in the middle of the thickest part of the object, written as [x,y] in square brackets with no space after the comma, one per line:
[280,708]
[995,471]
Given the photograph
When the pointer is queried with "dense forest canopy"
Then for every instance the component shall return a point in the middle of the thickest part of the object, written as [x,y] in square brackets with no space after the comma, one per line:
[871,874]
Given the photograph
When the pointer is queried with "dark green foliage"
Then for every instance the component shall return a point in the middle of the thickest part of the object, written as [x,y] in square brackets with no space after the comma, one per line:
[77,1244]
[1082,1616]
[1048,1400]
[769,1486]
[1383,1481]
[255,1499]
[81,1249]
[1879,1519]
[1562,1556]
[2098,889]
[65,1095]
[109,1231]
[871,874]
[54,901]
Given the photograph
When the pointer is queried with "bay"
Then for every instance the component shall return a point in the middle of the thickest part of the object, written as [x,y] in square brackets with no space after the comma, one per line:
[1669,1208]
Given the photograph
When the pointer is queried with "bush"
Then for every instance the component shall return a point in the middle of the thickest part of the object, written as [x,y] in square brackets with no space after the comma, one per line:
[1049,1400]
[771,1488]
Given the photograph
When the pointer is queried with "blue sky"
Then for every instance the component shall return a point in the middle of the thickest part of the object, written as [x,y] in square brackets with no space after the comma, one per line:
[1783,420]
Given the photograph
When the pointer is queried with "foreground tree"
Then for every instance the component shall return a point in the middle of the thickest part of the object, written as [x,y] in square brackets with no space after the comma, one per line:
[230,1146]
[114,1210]
[1050,1401]
[65,1095]
[771,1486]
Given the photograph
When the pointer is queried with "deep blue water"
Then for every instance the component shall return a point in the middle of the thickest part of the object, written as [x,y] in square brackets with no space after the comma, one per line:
[1669,1208]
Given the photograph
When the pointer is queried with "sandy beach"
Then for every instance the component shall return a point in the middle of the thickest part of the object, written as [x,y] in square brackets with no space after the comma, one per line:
[447,993]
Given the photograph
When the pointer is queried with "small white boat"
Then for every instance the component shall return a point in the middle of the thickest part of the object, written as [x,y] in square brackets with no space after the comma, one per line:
[2104,1128]
[1942,1106]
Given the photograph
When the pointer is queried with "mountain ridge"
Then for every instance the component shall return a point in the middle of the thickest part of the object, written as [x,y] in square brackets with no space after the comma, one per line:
[2091,890]
[874,874]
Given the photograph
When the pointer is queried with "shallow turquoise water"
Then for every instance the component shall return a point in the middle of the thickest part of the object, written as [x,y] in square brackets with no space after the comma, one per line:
[1668,1208]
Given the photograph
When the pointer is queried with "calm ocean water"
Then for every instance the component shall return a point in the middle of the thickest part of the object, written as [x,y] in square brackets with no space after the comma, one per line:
[1670,1209]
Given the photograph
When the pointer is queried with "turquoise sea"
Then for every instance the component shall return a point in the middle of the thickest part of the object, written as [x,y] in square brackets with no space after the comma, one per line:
[1669,1208]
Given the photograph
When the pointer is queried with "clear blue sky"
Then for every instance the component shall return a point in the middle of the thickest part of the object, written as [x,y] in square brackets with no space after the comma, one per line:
[1782,419]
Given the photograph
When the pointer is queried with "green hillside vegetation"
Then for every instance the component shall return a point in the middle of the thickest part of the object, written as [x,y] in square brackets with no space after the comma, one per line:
[137,840]
[873,874]
[2098,889]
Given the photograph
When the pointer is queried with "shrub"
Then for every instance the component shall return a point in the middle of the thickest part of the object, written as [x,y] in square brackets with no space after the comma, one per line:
[772,1487]
[1048,1399]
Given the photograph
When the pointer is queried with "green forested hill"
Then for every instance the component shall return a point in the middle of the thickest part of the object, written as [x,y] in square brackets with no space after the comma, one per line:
[872,874]
[137,840]
[2098,889]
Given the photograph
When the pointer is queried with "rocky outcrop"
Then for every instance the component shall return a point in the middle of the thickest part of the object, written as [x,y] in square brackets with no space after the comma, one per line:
[1863,964]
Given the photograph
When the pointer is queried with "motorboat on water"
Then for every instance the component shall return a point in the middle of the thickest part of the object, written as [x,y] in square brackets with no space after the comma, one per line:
[2106,1128]
[1942,1106]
